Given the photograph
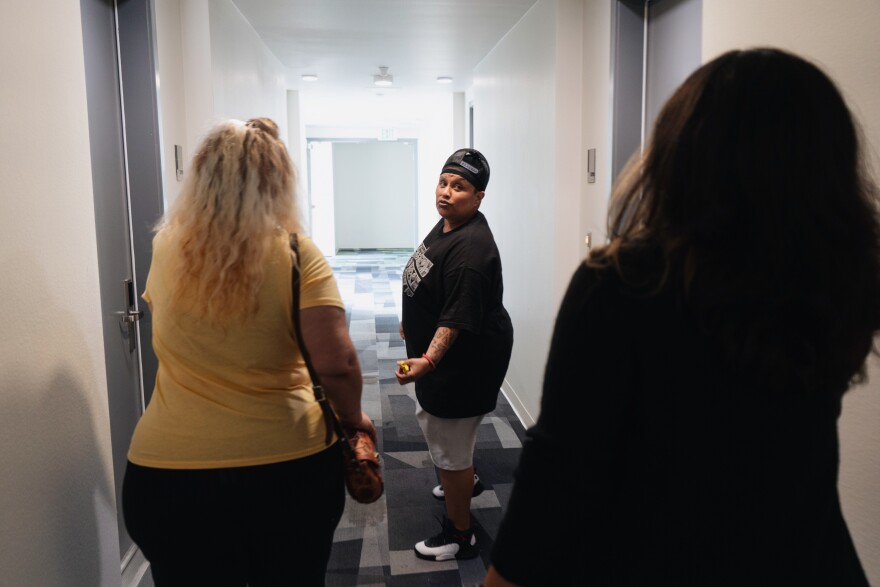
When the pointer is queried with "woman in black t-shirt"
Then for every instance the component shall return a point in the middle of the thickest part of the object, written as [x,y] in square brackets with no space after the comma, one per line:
[459,339]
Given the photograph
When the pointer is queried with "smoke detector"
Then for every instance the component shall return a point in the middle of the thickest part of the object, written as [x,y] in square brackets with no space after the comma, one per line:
[383,79]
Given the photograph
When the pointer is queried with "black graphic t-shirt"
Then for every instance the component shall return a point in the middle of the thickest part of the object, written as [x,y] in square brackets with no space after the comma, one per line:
[454,279]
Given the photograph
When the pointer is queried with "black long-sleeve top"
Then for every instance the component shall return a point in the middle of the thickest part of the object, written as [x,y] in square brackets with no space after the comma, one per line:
[653,464]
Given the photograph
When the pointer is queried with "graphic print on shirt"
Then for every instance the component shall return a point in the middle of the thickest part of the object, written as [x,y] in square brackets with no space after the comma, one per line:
[417,268]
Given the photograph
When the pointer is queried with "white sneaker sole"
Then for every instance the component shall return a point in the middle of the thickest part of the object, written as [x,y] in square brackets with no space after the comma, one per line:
[438,492]
[443,553]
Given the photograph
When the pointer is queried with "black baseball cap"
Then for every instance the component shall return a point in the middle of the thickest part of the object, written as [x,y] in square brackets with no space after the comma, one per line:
[471,165]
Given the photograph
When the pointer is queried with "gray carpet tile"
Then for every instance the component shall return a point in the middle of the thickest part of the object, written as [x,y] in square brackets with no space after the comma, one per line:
[373,544]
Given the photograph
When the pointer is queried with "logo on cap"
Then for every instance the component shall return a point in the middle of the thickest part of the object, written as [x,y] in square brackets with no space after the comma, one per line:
[469,167]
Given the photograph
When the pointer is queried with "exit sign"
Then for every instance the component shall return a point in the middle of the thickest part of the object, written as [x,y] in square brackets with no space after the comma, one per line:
[387,134]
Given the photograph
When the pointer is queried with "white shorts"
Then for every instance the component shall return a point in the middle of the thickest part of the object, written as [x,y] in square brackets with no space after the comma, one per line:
[450,440]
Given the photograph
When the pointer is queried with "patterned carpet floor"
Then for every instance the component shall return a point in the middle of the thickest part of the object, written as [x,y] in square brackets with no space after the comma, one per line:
[374,543]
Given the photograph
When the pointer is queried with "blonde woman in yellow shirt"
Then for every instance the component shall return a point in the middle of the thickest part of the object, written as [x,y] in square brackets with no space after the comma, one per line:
[230,480]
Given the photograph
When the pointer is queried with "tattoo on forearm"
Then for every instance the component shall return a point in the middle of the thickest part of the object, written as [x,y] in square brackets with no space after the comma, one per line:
[443,339]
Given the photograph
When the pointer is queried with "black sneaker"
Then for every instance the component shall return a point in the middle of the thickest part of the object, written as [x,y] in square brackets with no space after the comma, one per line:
[438,492]
[449,544]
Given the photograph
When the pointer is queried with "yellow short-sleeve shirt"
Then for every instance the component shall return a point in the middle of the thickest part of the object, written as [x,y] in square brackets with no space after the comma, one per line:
[236,394]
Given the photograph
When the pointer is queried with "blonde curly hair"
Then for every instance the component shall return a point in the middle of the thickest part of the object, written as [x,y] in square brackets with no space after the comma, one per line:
[237,197]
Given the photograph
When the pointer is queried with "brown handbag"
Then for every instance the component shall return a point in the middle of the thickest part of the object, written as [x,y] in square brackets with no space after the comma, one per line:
[363,473]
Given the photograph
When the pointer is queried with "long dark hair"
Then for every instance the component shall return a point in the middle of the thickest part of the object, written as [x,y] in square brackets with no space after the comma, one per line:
[753,206]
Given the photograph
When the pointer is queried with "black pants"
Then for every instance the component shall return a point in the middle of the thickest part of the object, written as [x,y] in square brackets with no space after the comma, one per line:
[267,525]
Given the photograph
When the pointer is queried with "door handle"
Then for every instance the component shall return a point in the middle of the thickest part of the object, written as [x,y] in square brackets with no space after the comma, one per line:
[130,316]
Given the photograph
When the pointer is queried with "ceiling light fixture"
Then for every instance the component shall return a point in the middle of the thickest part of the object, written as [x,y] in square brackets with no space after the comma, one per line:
[443,79]
[309,77]
[383,78]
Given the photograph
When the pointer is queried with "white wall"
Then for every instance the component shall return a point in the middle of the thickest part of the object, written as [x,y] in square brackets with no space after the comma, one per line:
[459,123]
[248,79]
[296,146]
[172,109]
[197,98]
[570,154]
[212,66]
[436,144]
[596,121]
[842,38]
[529,121]
[56,488]
[296,139]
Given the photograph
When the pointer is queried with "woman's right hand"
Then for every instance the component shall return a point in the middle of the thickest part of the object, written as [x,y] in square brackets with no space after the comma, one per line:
[416,369]
[402,333]
[360,422]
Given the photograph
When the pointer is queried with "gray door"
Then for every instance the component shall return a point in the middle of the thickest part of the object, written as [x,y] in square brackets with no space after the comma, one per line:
[117,41]
[657,44]
[675,50]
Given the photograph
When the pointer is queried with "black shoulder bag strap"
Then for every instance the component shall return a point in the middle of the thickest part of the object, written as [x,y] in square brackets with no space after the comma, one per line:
[331,423]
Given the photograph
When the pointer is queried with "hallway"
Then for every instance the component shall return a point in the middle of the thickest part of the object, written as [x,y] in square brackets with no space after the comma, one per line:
[373,544]
[536,103]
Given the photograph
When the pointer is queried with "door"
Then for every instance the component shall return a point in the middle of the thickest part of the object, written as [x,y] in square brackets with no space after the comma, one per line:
[117,41]
[321,212]
[657,44]
[674,41]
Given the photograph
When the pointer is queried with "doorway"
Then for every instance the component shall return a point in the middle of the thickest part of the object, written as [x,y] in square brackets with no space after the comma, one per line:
[656,45]
[126,177]
[362,194]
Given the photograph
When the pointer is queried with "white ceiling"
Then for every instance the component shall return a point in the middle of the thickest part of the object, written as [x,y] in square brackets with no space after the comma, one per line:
[345,41]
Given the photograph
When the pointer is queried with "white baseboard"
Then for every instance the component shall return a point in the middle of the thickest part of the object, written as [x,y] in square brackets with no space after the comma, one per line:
[525,418]
[134,567]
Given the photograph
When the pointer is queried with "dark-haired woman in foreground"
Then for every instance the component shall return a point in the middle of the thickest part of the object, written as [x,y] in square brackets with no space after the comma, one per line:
[699,359]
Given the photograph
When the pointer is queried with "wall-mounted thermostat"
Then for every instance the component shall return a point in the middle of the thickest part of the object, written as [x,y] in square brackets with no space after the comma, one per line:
[591,166]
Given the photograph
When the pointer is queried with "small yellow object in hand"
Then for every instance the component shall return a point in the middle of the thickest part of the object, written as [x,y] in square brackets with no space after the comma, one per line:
[404,366]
